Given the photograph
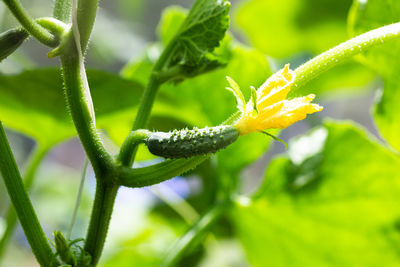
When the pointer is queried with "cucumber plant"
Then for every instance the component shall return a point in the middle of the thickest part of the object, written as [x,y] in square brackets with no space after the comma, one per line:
[198,44]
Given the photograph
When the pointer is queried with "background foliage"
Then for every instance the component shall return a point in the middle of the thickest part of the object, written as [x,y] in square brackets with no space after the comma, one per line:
[331,199]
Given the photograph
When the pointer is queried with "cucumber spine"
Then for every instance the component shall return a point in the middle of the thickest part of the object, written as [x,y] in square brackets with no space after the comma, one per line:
[188,143]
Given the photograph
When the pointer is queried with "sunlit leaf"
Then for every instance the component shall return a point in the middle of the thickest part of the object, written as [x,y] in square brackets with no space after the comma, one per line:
[33,103]
[283,28]
[367,15]
[333,201]
[170,22]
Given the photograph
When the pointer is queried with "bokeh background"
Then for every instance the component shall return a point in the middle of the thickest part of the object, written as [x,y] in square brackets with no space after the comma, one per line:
[144,224]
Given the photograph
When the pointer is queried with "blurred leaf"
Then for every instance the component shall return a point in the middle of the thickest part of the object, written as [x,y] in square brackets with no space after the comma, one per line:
[170,22]
[303,27]
[33,103]
[282,28]
[348,77]
[365,16]
[140,69]
[334,201]
[148,246]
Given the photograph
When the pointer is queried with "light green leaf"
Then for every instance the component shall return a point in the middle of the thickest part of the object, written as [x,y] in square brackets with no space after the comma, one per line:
[33,103]
[347,78]
[237,92]
[170,22]
[148,245]
[367,15]
[283,28]
[333,201]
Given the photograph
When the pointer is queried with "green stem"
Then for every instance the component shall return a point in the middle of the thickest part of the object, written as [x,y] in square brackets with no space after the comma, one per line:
[131,142]
[79,107]
[149,94]
[11,218]
[193,235]
[102,162]
[343,51]
[22,204]
[40,33]
[100,219]
[157,173]
[151,90]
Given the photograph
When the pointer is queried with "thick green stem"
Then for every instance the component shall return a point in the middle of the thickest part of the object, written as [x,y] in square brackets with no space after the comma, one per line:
[100,219]
[30,25]
[80,110]
[11,218]
[193,235]
[22,204]
[343,51]
[102,162]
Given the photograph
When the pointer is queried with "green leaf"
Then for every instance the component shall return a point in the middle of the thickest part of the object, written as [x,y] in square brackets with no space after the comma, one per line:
[299,29]
[147,245]
[367,15]
[170,22]
[333,201]
[201,32]
[195,41]
[282,28]
[33,103]
[237,92]
[347,78]
[140,69]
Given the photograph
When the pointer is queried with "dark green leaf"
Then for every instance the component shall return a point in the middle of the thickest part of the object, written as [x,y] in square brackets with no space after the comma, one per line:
[332,202]
[365,16]
[198,36]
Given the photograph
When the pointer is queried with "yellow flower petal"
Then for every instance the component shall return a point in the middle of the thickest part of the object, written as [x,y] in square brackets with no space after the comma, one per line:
[273,110]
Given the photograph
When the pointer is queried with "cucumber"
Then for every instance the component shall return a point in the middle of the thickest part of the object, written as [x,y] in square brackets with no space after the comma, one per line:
[188,143]
[10,41]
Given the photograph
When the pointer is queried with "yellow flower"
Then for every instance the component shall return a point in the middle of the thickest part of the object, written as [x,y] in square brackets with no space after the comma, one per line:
[268,107]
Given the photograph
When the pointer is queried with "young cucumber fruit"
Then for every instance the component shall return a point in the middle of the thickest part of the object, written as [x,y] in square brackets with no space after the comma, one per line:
[10,41]
[189,143]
